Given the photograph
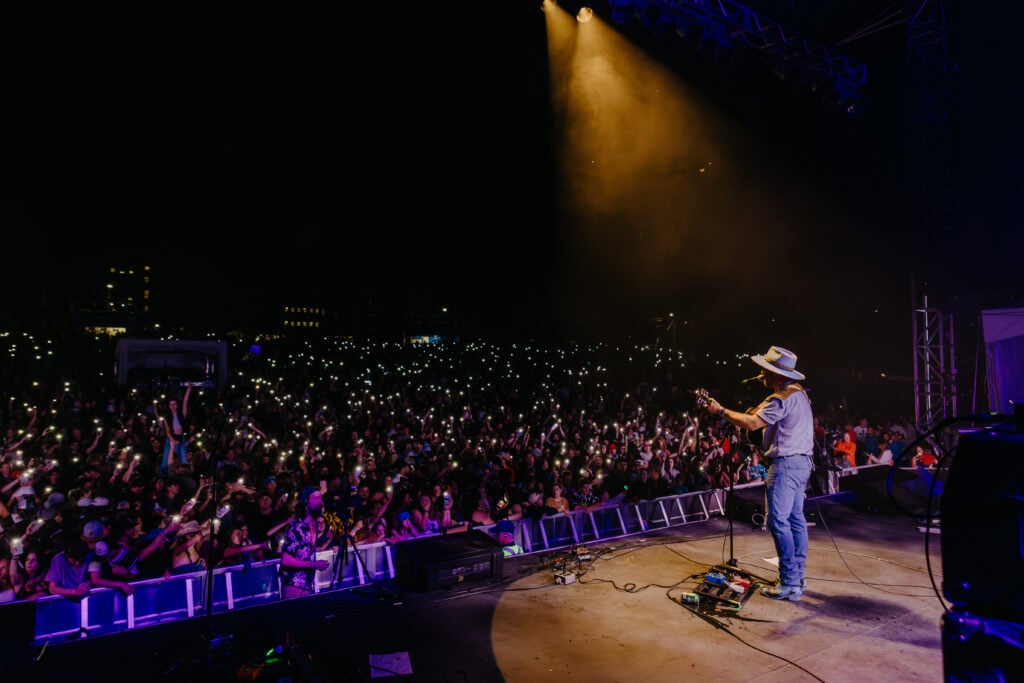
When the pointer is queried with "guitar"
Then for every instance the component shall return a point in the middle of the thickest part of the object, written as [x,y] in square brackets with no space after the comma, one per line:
[703,399]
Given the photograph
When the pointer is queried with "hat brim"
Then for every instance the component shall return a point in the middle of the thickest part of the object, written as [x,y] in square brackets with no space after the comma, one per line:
[791,374]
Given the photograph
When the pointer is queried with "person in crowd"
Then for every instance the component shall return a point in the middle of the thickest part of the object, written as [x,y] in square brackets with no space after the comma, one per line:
[368,534]
[585,497]
[236,547]
[883,457]
[871,442]
[29,579]
[7,592]
[788,440]
[423,518]
[190,551]
[846,451]
[176,433]
[924,457]
[823,465]
[403,529]
[326,537]
[556,501]
[618,481]
[443,513]
[506,531]
[481,516]
[299,563]
[154,550]
[897,444]
[127,549]
[93,532]
[756,471]
[68,573]
[169,500]
[100,578]
[265,521]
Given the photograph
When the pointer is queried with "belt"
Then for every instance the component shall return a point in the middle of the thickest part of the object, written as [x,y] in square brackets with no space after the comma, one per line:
[794,455]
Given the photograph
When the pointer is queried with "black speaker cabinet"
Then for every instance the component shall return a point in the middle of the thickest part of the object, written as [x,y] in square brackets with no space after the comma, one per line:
[747,505]
[976,649]
[983,526]
[435,561]
[873,492]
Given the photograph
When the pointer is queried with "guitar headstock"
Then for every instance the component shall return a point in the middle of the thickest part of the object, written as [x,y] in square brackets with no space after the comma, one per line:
[701,397]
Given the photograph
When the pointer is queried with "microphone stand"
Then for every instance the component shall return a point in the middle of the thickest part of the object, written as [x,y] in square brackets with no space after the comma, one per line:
[732,488]
[212,640]
[731,565]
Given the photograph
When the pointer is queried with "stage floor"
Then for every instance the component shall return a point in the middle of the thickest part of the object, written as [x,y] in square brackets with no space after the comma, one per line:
[871,612]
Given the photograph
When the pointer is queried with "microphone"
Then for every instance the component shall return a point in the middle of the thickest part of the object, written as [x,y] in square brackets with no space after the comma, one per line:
[756,378]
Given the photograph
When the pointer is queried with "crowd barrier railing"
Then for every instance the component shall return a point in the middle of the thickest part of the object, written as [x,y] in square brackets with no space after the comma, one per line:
[160,601]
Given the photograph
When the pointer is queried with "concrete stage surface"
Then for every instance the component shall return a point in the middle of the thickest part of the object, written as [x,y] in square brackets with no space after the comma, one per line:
[871,612]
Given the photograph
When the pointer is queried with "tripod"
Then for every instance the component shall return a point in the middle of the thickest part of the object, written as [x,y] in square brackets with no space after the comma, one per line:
[341,558]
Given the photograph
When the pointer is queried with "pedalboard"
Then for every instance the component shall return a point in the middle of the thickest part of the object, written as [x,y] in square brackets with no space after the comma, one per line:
[727,588]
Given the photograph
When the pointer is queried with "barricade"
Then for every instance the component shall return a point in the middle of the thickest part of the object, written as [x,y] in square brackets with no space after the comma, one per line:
[159,601]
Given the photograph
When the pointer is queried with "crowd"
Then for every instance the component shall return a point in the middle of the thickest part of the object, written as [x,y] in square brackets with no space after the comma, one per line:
[103,484]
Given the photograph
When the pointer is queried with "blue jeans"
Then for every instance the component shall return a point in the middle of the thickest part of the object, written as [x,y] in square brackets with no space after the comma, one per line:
[784,503]
[179,450]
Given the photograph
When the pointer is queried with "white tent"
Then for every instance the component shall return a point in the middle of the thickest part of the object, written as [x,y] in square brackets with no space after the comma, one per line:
[1003,332]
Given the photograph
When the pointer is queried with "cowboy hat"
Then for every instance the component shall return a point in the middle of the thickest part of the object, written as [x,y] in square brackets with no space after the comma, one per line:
[779,361]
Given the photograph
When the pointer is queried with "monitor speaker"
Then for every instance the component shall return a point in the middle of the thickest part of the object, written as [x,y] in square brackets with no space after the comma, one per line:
[437,561]
[983,526]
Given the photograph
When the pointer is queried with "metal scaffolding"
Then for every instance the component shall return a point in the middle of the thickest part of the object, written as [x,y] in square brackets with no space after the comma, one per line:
[808,64]
[934,367]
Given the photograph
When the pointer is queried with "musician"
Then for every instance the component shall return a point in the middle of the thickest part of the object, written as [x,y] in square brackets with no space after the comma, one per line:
[788,443]
[299,564]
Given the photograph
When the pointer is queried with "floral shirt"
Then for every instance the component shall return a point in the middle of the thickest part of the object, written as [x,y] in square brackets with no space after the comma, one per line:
[300,544]
[586,499]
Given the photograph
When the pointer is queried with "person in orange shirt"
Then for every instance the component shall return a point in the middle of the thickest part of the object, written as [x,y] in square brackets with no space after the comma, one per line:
[846,448]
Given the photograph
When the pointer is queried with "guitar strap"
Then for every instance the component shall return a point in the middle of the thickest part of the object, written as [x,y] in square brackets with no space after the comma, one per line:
[788,390]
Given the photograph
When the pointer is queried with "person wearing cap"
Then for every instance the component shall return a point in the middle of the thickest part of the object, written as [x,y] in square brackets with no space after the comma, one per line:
[507,538]
[100,558]
[788,445]
[299,564]
[403,529]
[270,486]
[93,532]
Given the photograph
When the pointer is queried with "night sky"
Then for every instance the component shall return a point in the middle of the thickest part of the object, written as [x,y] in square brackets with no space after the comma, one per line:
[395,160]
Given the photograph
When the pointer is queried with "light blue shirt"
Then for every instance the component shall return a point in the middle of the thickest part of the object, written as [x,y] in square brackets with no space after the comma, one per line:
[790,429]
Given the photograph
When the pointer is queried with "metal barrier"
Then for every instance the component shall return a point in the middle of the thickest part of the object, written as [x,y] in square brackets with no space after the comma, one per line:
[159,601]
[623,519]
